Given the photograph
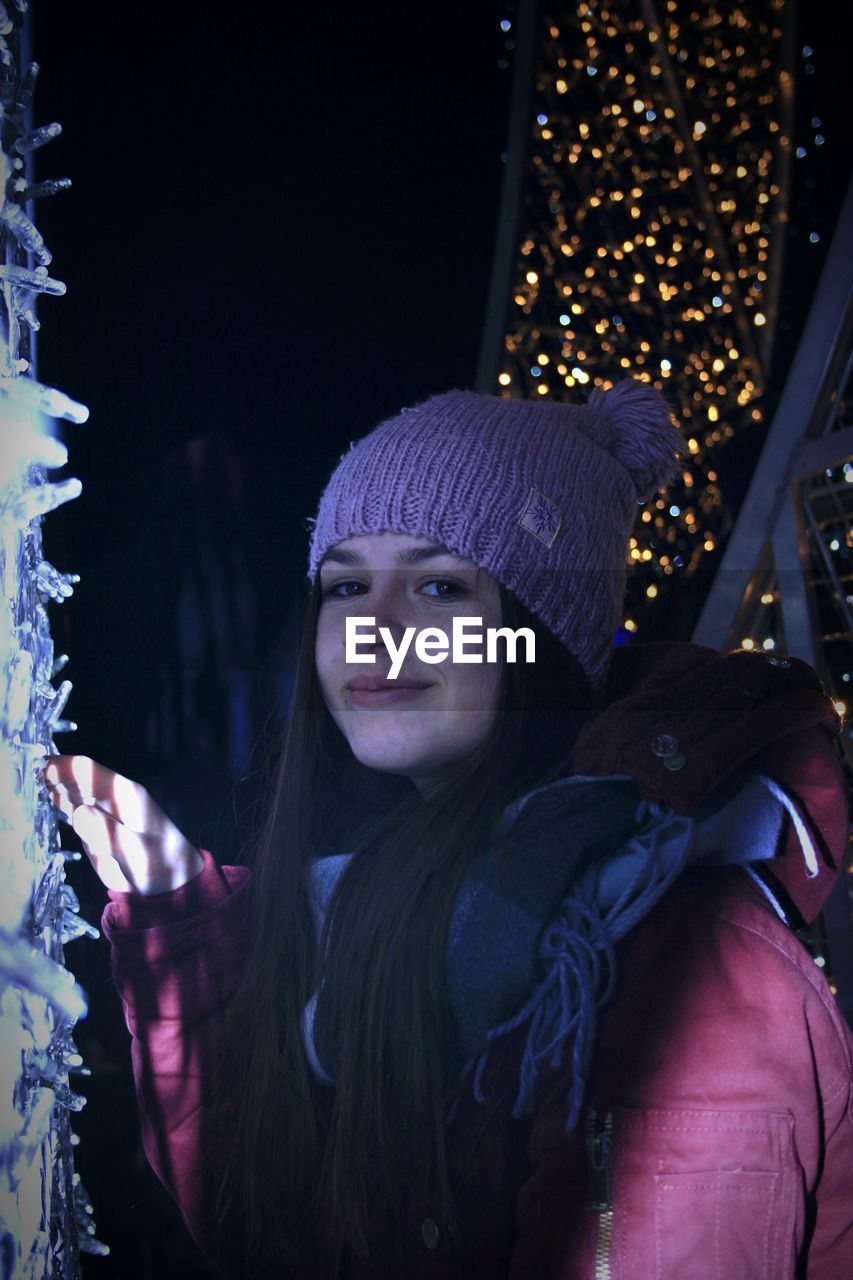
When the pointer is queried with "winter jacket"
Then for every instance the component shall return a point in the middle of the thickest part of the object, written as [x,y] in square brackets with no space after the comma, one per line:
[717,1136]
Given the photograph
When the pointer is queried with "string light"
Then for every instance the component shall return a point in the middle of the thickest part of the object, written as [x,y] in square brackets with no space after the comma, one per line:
[648,249]
[45,1219]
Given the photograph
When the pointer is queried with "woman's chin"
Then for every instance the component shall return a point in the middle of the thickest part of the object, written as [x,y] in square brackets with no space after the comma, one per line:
[384,761]
[418,747]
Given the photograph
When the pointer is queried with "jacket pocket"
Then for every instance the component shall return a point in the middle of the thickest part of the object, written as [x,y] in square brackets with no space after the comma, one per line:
[715,1224]
[703,1195]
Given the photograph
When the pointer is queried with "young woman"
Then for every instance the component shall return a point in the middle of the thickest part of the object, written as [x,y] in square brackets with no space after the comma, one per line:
[512,988]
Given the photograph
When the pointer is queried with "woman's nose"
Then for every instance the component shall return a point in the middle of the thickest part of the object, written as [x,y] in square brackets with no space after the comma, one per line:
[387,603]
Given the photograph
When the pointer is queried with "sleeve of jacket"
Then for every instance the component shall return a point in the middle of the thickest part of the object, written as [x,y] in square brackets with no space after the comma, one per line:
[831,1251]
[177,958]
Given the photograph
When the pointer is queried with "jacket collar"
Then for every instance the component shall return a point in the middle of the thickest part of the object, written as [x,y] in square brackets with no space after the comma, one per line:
[682,718]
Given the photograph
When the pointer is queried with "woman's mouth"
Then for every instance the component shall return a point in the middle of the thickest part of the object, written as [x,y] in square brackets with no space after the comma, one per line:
[365,691]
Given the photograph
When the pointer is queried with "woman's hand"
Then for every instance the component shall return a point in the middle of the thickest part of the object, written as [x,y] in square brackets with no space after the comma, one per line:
[128,839]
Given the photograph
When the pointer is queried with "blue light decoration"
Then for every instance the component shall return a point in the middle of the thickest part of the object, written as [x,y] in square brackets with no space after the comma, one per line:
[45,1217]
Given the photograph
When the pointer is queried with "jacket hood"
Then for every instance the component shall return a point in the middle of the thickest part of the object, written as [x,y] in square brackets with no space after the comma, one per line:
[682,718]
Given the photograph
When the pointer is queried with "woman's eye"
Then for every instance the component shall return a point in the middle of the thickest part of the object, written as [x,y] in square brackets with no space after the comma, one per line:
[454,589]
[445,589]
[334,591]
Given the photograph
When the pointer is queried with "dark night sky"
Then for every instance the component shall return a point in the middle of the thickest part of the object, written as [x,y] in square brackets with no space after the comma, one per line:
[279,229]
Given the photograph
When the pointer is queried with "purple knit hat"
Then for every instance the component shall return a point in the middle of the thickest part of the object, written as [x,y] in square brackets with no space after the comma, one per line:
[542,494]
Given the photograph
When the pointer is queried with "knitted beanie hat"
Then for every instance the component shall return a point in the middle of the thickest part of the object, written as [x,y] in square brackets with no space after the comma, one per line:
[542,494]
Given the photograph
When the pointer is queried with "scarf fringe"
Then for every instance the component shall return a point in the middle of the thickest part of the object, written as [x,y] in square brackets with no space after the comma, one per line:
[577,950]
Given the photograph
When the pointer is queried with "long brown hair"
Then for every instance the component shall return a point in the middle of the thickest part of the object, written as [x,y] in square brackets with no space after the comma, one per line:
[384,995]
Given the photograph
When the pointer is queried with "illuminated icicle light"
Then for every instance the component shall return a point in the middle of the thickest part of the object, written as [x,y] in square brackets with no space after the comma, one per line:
[28,281]
[50,187]
[32,970]
[48,400]
[28,142]
[44,1211]
[38,502]
[52,582]
[660,289]
[13,218]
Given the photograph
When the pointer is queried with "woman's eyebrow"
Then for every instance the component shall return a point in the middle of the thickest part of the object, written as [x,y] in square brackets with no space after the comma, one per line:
[409,555]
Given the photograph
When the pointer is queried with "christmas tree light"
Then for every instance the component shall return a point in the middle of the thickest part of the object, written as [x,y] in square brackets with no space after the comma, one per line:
[651,235]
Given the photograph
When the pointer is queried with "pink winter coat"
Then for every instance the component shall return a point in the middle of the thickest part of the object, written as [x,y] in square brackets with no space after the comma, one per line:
[717,1140]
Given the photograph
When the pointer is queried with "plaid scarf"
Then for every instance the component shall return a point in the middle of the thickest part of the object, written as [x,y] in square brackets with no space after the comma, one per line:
[571,868]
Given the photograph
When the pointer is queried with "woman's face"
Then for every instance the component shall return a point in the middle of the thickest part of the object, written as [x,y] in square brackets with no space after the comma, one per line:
[432,715]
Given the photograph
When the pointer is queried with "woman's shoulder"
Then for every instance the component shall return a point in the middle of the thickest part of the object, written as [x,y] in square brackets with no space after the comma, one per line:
[737,909]
[716,995]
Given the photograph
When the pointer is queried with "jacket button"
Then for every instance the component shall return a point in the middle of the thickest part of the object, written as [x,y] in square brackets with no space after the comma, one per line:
[429,1231]
[664,745]
[776,661]
[674,762]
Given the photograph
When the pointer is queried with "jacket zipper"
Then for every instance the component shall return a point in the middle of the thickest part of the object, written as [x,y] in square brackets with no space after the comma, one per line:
[600,1149]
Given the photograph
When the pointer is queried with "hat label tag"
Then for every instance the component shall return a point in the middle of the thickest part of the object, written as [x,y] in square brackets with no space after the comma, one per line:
[541,517]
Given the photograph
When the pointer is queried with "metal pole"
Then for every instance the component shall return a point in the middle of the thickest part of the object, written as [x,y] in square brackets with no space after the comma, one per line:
[506,237]
[794,420]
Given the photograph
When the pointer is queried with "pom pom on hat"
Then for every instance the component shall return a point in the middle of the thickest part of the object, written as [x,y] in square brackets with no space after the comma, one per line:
[642,433]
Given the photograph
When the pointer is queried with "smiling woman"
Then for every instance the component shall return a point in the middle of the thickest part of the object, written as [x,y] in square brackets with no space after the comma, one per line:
[433,717]
[436,1029]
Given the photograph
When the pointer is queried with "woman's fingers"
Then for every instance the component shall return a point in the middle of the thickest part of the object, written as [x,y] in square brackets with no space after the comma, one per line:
[131,843]
[78,771]
[82,780]
[98,832]
[65,802]
[130,862]
[76,780]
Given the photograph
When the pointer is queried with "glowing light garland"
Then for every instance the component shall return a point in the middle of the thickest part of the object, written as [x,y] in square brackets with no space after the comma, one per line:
[45,1218]
[656,193]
